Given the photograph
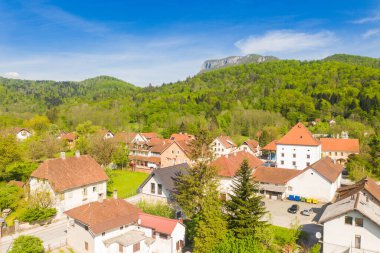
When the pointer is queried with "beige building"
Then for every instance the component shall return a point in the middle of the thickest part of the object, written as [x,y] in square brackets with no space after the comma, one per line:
[339,149]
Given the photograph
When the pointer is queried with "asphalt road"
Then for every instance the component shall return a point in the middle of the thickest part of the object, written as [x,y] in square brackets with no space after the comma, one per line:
[52,235]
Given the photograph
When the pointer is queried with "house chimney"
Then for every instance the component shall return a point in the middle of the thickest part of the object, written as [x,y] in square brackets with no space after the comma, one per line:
[100,198]
[115,194]
[77,153]
[63,155]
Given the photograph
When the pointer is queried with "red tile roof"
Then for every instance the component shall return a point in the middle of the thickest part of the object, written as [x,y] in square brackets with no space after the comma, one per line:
[149,135]
[327,168]
[226,141]
[366,183]
[68,136]
[228,166]
[271,175]
[252,144]
[70,172]
[345,145]
[109,214]
[299,135]
[181,137]
[159,224]
[271,146]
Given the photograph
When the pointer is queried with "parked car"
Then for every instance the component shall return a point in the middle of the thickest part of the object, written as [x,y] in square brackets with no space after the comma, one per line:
[307,212]
[293,209]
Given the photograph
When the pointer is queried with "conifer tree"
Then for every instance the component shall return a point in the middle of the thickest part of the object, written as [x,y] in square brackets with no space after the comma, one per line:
[244,209]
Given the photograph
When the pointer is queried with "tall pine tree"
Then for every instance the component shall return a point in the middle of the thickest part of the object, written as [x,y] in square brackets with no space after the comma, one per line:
[244,209]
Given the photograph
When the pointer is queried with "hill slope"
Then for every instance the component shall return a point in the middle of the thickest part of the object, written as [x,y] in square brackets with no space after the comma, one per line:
[355,59]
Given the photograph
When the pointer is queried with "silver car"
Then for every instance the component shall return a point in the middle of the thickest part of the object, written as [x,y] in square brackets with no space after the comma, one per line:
[307,212]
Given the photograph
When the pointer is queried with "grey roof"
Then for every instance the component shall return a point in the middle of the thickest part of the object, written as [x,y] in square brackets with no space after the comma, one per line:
[359,202]
[129,238]
[166,175]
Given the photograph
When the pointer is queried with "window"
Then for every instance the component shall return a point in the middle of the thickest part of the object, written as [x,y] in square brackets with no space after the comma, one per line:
[329,153]
[282,162]
[70,195]
[294,163]
[294,155]
[308,156]
[84,191]
[307,164]
[164,236]
[86,228]
[121,228]
[290,188]
[104,233]
[336,153]
[358,241]
[86,246]
[159,190]
[153,188]
[348,220]
[359,222]
[120,248]
[341,153]
[94,189]
[282,154]
[136,247]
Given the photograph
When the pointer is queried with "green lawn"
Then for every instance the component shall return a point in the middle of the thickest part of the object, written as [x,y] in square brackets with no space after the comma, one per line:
[126,182]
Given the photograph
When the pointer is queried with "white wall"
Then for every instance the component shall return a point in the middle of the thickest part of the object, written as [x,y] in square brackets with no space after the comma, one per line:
[70,198]
[146,191]
[225,184]
[310,184]
[285,159]
[246,148]
[338,237]
[22,135]
[218,149]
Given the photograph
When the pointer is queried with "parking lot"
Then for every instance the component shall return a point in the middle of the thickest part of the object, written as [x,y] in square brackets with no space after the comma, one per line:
[278,215]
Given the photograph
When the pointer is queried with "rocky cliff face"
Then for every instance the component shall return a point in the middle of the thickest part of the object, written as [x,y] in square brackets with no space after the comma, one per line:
[235,60]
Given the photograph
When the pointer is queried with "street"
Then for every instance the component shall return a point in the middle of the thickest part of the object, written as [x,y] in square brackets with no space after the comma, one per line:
[52,235]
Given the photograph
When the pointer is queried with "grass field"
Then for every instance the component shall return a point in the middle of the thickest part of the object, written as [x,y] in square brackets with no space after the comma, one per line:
[126,182]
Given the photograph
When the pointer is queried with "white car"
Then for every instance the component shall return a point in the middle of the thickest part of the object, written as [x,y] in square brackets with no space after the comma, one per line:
[307,212]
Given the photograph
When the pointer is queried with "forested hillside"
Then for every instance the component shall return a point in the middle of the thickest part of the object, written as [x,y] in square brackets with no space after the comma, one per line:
[239,100]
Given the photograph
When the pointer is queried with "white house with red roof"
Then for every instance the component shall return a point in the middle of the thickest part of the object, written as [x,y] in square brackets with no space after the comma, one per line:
[114,226]
[222,145]
[352,222]
[297,149]
[319,181]
[228,165]
[72,181]
[251,146]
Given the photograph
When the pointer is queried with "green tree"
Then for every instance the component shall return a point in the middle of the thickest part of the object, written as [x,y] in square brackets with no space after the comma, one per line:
[9,196]
[244,209]
[27,244]
[19,171]
[102,149]
[231,244]
[120,156]
[10,152]
[38,123]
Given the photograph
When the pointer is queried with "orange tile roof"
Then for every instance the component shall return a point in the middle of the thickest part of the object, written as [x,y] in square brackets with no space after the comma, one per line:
[152,159]
[226,141]
[345,145]
[68,136]
[299,135]
[366,183]
[107,215]
[327,168]
[70,172]
[159,224]
[271,175]
[271,146]
[228,166]
[252,144]
[149,135]
[181,137]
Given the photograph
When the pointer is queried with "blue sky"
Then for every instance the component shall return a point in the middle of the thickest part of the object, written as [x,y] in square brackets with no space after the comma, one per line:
[144,41]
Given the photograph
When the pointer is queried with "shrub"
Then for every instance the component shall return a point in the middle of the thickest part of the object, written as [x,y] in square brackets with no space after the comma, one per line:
[158,208]
[9,196]
[27,244]
[37,214]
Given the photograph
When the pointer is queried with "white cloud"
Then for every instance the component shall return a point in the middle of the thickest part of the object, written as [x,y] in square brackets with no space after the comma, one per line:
[13,75]
[286,41]
[368,19]
[371,33]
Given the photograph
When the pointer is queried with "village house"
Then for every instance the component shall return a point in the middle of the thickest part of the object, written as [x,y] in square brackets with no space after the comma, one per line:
[270,150]
[222,145]
[339,149]
[297,149]
[182,137]
[105,134]
[159,153]
[114,226]
[69,138]
[159,186]
[20,133]
[352,222]
[72,181]
[278,183]
[251,146]
[228,165]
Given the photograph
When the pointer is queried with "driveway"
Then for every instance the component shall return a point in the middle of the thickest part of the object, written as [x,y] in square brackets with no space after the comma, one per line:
[278,215]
